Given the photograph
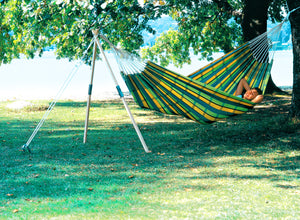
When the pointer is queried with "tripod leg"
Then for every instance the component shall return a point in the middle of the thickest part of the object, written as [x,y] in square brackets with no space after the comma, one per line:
[90,95]
[123,99]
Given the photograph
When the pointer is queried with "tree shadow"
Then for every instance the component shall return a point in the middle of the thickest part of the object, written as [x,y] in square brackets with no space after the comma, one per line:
[113,158]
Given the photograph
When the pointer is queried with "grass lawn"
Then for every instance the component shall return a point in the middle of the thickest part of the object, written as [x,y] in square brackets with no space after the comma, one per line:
[245,167]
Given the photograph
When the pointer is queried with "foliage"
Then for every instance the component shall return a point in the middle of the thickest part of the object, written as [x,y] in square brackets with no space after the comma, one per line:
[275,10]
[207,26]
[171,46]
[68,23]
[160,26]
[193,172]
[9,44]
[201,26]
[27,27]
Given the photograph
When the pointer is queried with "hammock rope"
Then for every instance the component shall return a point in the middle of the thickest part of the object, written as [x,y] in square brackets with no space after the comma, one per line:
[54,101]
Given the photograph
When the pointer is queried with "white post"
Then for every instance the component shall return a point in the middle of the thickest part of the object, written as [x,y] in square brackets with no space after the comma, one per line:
[122,97]
[95,32]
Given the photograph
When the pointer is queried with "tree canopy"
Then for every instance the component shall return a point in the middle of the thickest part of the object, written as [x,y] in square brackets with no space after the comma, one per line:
[28,27]
[206,27]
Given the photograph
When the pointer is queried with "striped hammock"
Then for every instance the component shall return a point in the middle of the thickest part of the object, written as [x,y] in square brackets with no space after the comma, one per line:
[207,95]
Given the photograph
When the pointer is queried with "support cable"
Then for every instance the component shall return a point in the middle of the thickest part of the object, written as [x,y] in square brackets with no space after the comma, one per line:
[54,101]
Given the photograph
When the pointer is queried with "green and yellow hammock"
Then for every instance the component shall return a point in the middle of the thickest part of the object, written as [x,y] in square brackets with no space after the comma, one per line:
[206,95]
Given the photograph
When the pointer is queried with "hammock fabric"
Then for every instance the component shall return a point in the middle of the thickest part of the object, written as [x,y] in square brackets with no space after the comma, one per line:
[168,92]
[226,72]
[206,95]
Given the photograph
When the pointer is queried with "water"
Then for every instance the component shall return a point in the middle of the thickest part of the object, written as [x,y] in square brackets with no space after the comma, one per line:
[41,78]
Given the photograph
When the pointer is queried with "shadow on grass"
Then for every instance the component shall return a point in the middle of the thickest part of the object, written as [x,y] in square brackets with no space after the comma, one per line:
[113,161]
[114,104]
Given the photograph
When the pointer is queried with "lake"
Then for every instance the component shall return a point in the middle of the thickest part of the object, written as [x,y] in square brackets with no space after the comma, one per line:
[42,77]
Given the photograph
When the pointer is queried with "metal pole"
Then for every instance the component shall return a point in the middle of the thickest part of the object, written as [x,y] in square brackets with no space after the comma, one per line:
[123,99]
[95,32]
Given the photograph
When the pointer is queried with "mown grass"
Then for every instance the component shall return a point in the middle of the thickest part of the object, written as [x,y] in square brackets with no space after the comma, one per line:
[245,167]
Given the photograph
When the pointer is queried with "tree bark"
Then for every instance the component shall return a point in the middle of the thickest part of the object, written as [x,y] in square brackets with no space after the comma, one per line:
[295,27]
[254,23]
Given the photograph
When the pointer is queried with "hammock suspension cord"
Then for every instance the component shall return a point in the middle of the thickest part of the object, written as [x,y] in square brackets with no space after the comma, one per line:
[54,101]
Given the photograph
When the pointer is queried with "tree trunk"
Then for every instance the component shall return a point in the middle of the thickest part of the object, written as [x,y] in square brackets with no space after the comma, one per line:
[255,16]
[295,26]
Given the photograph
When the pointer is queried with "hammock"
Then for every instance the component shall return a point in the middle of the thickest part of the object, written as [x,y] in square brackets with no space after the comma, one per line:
[207,95]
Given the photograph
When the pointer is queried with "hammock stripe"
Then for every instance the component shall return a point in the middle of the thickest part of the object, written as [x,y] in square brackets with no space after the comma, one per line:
[177,94]
[226,72]
[192,83]
[206,95]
